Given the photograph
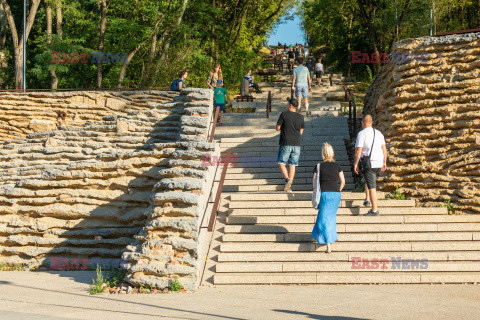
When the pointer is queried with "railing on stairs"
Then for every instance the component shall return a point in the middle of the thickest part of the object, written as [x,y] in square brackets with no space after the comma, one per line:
[269,104]
[216,203]
[223,161]
[352,107]
[214,125]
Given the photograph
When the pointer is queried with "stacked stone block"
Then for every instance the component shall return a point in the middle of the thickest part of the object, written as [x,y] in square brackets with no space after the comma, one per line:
[131,187]
[428,110]
[22,114]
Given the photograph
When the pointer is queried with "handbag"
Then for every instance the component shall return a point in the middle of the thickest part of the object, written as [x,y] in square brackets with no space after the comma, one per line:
[316,190]
[365,161]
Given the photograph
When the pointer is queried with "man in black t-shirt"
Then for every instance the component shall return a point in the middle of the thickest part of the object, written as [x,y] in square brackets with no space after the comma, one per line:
[291,125]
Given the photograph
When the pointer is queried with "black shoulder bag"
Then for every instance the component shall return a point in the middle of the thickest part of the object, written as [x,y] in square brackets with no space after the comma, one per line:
[365,162]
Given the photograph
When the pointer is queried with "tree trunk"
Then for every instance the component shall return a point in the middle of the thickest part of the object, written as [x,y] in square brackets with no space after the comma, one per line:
[53,75]
[3,27]
[177,24]
[368,19]
[123,71]
[59,19]
[18,41]
[350,25]
[101,40]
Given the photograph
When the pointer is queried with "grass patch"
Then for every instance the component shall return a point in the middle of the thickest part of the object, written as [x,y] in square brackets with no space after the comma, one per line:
[175,285]
[97,286]
[13,267]
[395,195]
[450,207]
[115,277]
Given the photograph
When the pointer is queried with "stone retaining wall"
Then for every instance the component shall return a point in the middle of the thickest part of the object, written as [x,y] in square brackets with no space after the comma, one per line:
[429,111]
[130,188]
[22,114]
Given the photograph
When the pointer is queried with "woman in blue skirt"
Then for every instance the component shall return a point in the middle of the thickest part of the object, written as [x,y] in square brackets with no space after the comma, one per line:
[332,182]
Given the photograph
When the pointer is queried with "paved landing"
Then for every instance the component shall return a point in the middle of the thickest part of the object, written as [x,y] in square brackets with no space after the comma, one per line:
[63,295]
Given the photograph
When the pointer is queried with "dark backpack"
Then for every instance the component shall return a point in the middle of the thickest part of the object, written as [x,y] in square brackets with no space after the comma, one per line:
[174,86]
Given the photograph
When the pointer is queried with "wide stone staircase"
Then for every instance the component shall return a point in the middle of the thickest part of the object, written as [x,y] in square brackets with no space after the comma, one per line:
[262,234]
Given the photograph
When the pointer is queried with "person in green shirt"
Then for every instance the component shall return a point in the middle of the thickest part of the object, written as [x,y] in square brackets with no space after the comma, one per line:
[219,94]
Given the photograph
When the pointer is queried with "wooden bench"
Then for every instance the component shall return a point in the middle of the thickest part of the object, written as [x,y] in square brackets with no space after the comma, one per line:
[244,92]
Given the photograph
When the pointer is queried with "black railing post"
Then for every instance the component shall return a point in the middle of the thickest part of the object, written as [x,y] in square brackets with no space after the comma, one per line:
[352,97]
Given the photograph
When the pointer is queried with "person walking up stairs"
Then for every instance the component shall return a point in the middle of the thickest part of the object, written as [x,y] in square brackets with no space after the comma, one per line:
[291,125]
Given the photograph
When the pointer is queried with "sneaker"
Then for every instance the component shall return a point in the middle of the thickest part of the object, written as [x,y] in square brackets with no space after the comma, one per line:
[366,203]
[372,213]
[288,184]
[289,191]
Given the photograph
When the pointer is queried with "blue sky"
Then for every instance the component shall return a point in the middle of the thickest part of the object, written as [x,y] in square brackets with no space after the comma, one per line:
[289,32]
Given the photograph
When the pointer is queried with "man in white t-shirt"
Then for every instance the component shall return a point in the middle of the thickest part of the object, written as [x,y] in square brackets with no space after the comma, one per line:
[371,142]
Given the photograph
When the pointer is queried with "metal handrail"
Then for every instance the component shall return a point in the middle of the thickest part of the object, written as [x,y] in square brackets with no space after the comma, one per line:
[213,216]
[269,104]
[214,125]
[352,108]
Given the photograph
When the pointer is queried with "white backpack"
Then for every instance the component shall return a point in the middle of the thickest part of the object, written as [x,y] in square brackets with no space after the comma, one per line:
[316,190]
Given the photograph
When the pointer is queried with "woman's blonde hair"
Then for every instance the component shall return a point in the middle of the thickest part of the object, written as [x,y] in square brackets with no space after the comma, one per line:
[327,152]
[220,74]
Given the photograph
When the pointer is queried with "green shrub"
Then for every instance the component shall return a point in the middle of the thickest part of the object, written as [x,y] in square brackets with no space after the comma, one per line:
[450,207]
[395,195]
[96,287]
[115,277]
[176,285]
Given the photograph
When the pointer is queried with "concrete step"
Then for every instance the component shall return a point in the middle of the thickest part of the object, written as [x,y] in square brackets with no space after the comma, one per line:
[308,204]
[273,145]
[273,177]
[356,237]
[417,246]
[341,211]
[398,219]
[347,278]
[386,266]
[254,163]
[274,169]
[305,196]
[364,227]
[345,256]
[277,187]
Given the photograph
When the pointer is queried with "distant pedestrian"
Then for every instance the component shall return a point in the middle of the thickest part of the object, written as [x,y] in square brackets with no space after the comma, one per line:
[301,84]
[319,71]
[291,59]
[305,52]
[371,156]
[179,84]
[219,94]
[311,67]
[291,125]
[297,54]
[332,181]
[214,76]
[251,83]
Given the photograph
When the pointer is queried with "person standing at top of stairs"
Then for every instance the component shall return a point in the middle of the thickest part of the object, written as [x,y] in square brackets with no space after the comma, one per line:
[301,84]
[291,125]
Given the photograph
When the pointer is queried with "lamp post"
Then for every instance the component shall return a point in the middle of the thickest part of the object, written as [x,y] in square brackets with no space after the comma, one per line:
[24,85]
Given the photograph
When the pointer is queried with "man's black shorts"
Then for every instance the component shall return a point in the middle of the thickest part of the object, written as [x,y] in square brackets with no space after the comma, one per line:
[370,177]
